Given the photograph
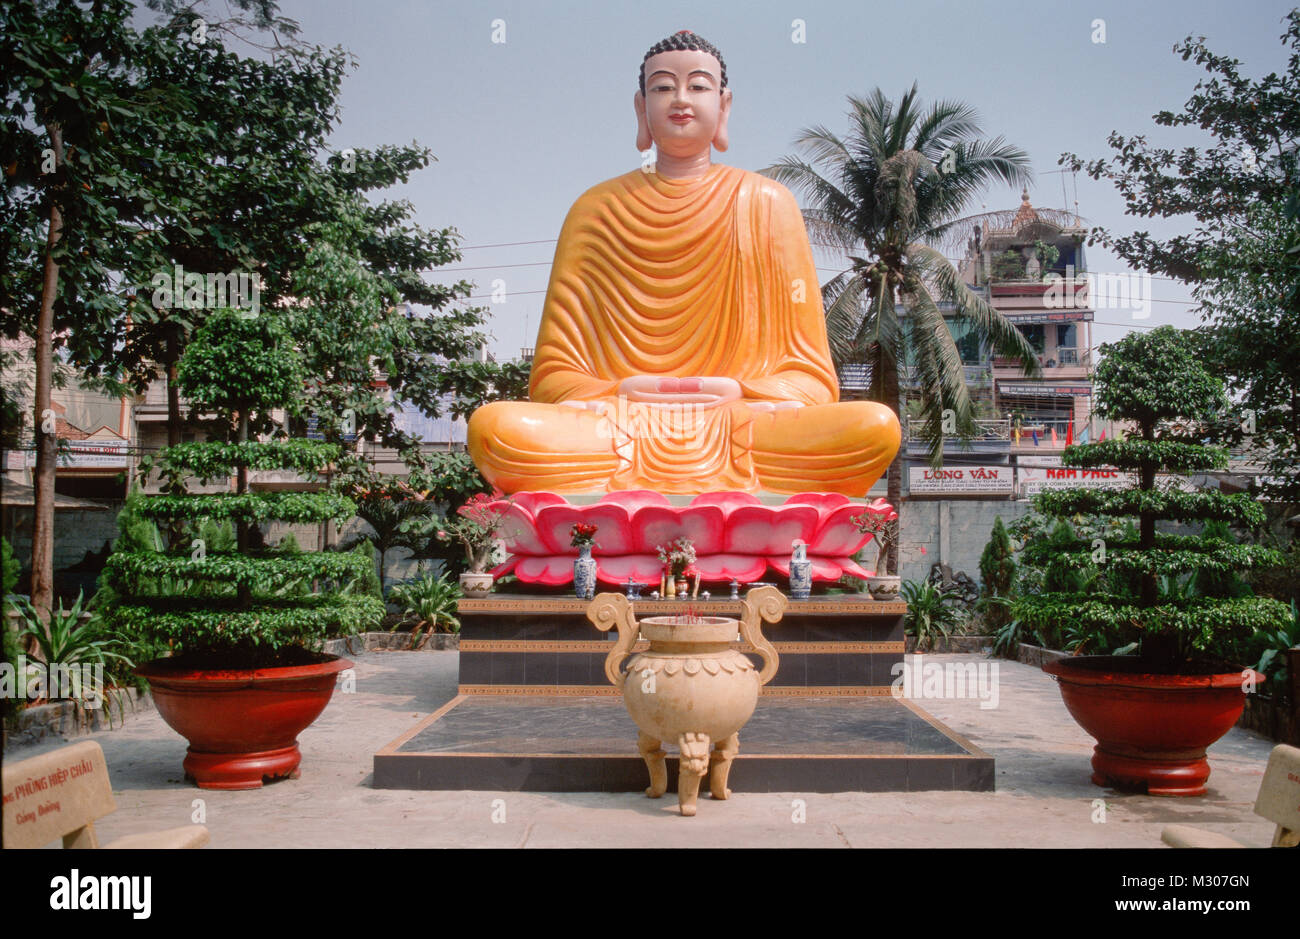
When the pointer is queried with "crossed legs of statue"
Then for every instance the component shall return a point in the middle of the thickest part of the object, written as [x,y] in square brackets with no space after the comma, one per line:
[843,447]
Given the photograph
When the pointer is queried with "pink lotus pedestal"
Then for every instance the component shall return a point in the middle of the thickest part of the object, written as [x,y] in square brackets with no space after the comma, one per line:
[736,536]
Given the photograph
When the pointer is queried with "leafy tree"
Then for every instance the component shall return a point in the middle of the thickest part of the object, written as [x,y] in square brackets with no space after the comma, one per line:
[78,144]
[1242,257]
[885,194]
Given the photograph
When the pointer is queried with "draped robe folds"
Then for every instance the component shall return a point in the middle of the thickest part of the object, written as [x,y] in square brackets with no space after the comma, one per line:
[699,277]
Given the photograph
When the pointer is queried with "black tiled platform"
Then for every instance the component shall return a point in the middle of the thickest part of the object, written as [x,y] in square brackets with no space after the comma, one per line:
[527,644]
[538,743]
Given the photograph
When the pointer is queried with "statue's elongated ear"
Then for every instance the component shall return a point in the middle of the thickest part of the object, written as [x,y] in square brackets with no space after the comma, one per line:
[720,140]
[643,139]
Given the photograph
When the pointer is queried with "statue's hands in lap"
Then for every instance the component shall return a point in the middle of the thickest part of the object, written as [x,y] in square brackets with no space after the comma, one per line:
[704,392]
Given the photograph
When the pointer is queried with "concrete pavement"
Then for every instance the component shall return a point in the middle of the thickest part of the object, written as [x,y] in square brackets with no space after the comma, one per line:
[1044,797]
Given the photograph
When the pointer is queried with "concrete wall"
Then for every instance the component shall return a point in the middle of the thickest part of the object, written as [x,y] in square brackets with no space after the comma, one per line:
[952,531]
[75,533]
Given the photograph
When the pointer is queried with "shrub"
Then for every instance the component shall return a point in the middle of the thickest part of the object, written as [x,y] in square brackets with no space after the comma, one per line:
[1153,380]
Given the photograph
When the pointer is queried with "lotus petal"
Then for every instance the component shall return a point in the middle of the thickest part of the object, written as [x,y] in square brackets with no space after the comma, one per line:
[553,570]
[633,499]
[723,567]
[530,502]
[654,525]
[838,536]
[644,568]
[519,530]
[824,502]
[763,529]
[727,501]
[822,568]
[612,521]
[854,569]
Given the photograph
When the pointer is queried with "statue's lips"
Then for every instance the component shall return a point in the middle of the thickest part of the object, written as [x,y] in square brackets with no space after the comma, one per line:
[681,118]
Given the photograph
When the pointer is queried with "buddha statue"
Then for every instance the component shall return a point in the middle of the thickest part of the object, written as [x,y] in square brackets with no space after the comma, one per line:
[682,346]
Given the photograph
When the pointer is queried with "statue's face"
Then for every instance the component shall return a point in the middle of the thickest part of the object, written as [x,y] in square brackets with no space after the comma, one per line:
[682,106]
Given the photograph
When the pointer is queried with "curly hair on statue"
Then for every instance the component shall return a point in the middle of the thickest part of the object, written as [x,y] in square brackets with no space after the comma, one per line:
[683,41]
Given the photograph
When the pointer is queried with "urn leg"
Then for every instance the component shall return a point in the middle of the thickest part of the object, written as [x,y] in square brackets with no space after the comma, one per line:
[694,764]
[653,754]
[720,766]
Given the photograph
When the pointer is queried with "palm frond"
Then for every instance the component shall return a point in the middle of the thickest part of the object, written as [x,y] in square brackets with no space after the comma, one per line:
[1002,335]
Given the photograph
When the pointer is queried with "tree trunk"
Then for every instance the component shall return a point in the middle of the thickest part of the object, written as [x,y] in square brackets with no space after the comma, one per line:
[44,426]
[173,392]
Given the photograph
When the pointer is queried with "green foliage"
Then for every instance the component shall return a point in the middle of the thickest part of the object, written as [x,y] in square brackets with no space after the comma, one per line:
[1271,647]
[126,572]
[368,583]
[220,633]
[929,615]
[431,602]
[1009,265]
[61,642]
[10,568]
[239,608]
[286,505]
[1175,598]
[1159,504]
[1047,255]
[241,363]
[1134,453]
[997,575]
[214,460]
[1233,207]
[1151,376]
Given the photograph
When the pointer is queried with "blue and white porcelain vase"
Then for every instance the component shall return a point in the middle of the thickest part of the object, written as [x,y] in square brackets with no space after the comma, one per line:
[584,574]
[800,572]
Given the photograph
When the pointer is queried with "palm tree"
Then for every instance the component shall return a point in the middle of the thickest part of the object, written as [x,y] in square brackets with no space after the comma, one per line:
[887,195]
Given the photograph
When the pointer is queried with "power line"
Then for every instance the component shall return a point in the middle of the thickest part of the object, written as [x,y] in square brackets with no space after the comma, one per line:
[493,267]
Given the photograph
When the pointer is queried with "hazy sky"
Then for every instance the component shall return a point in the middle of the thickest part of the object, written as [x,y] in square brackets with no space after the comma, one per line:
[521,128]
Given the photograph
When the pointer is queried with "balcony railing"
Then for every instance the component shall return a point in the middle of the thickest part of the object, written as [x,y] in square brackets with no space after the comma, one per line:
[1029,427]
[985,430]
[975,375]
[1060,357]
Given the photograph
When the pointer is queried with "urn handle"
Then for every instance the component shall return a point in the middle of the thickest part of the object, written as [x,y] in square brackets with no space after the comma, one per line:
[608,610]
[762,603]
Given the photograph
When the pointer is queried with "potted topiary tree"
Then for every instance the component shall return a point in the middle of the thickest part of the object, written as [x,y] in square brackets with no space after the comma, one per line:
[244,677]
[1155,711]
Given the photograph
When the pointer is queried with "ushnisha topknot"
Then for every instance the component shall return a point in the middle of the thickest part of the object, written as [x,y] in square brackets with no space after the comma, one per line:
[683,41]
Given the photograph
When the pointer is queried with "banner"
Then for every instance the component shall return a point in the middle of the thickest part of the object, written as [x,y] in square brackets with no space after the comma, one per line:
[1034,479]
[961,480]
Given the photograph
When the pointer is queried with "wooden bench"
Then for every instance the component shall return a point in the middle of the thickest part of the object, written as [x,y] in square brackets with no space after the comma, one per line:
[1278,801]
[60,794]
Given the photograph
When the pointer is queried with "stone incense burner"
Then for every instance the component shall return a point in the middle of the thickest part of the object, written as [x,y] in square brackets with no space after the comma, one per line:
[693,685]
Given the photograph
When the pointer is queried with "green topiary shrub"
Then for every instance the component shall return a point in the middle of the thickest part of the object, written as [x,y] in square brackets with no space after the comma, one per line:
[257,613]
[1143,597]
[997,574]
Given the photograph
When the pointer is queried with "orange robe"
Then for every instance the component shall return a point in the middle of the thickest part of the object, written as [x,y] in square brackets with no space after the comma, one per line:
[704,277]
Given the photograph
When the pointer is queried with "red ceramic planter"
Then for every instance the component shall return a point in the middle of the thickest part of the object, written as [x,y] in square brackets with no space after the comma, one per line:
[242,725]
[1151,730]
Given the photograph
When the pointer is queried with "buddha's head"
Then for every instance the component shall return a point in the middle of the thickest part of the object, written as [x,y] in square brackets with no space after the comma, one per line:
[683,101]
